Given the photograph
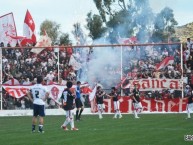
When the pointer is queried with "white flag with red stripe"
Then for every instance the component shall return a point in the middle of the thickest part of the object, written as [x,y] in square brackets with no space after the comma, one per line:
[12,82]
[168,60]
[92,94]
[29,27]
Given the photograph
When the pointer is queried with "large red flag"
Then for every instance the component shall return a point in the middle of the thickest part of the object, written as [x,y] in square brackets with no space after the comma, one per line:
[29,27]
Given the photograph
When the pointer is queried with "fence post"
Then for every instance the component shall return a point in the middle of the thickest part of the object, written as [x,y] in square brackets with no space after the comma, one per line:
[182,78]
[1,69]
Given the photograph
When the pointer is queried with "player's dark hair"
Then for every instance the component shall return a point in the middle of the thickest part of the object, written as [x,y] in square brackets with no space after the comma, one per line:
[98,87]
[69,84]
[39,79]
[78,82]
[113,88]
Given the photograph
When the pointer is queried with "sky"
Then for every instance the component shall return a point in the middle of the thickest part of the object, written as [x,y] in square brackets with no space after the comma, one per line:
[68,12]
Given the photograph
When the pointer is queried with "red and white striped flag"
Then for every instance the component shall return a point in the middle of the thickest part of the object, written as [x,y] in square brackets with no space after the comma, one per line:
[168,60]
[29,27]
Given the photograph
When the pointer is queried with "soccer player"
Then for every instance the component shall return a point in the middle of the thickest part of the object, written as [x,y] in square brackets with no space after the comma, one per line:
[116,102]
[68,101]
[99,100]
[135,95]
[79,105]
[38,94]
[189,106]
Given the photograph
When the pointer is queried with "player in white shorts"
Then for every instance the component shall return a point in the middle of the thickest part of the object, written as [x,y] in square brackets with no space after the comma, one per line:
[116,102]
[189,106]
[135,95]
[99,100]
[38,94]
[68,102]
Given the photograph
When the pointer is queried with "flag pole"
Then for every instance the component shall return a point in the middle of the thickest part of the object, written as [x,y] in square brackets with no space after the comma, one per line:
[1,78]
[181,55]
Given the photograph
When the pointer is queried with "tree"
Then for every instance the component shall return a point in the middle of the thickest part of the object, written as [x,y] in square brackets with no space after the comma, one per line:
[107,8]
[52,28]
[135,18]
[64,39]
[95,26]
[126,19]
[164,25]
[78,34]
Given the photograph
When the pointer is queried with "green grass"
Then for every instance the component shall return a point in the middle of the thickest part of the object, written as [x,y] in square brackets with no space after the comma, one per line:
[154,129]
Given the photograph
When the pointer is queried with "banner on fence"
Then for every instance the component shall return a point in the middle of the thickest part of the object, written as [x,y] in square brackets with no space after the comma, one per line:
[55,91]
[157,84]
[149,105]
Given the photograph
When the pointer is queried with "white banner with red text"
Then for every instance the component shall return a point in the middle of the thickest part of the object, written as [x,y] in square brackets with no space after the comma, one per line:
[157,84]
[55,91]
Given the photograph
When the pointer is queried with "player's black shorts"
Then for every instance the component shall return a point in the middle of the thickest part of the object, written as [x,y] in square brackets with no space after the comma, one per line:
[78,103]
[38,110]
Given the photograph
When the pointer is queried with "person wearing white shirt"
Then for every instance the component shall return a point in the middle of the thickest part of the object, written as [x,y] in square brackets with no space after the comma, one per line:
[27,82]
[38,94]
[50,77]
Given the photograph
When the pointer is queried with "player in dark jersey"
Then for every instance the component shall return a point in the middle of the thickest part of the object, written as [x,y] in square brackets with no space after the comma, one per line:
[135,95]
[116,102]
[68,101]
[78,102]
[189,106]
[99,100]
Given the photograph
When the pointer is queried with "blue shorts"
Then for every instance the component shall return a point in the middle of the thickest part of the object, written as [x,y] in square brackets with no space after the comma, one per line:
[38,110]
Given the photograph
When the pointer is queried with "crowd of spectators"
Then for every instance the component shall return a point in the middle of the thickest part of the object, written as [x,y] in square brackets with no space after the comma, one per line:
[138,62]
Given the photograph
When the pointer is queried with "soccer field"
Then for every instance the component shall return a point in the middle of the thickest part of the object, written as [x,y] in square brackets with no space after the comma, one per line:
[154,129]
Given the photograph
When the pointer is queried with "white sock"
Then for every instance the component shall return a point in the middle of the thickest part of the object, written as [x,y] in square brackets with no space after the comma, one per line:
[135,113]
[72,122]
[100,114]
[188,112]
[66,122]
[119,113]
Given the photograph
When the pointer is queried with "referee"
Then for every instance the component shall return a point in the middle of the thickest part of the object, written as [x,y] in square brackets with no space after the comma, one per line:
[79,105]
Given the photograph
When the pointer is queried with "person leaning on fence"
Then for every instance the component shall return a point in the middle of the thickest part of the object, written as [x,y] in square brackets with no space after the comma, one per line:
[68,102]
